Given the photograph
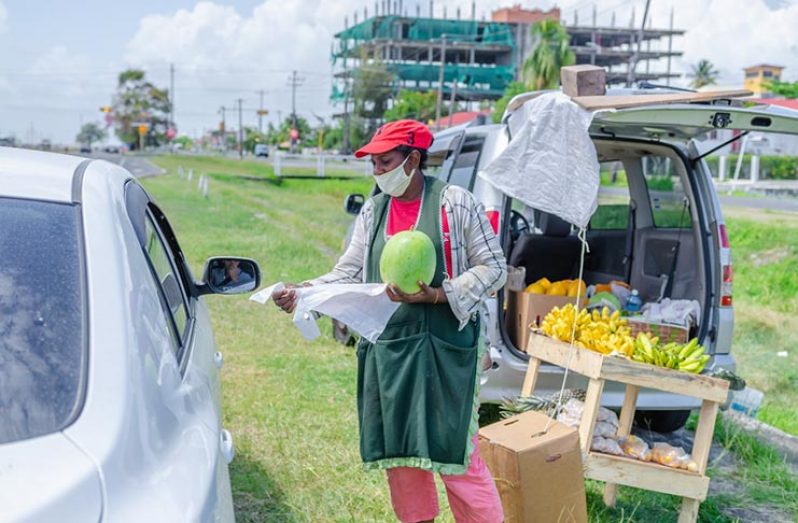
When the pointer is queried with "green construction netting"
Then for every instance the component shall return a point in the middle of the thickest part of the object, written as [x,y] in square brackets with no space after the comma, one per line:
[424,29]
[475,77]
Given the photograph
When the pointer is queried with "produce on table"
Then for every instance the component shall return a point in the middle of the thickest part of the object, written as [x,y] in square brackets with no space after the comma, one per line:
[605,299]
[602,332]
[674,457]
[635,447]
[570,288]
[408,257]
[687,357]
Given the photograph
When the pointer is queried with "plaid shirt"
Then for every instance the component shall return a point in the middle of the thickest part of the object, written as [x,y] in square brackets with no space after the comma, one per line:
[478,264]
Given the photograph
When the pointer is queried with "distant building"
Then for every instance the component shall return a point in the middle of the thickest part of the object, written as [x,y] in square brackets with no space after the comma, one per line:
[758,76]
[481,57]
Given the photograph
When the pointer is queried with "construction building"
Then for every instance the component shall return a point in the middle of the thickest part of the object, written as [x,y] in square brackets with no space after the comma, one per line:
[474,60]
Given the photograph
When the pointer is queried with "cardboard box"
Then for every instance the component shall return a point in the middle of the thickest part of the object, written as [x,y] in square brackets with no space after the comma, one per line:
[583,80]
[525,309]
[539,475]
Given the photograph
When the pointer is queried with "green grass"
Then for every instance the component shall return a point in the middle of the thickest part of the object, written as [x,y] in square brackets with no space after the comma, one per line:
[290,404]
[766,302]
[222,165]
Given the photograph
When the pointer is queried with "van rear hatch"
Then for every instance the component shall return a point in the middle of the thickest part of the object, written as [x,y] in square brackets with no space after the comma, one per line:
[684,122]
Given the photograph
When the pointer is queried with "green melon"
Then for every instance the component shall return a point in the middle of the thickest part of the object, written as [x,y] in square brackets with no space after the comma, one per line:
[407,258]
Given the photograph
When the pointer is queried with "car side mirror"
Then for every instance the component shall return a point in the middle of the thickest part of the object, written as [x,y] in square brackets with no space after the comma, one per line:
[353,203]
[229,275]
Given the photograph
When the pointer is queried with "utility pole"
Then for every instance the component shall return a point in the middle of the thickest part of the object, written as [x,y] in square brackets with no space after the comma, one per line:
[240,131]
[260,112]
[670,50]
[346,145]
[630,77]
[440,82]
[223,129]
[452,101]
[294,82]
[171,96]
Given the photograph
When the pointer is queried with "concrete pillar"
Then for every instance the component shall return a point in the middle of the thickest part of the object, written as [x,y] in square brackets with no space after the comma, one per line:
[723,167]
[754,168]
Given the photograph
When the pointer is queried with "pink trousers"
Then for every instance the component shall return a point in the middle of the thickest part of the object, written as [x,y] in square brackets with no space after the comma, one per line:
[473,497]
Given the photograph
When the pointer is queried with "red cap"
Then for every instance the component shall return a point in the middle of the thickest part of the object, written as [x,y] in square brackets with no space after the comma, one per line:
[393,134]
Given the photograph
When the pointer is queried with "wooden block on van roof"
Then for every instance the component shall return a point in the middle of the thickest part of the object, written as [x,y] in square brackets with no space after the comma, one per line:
[583,80]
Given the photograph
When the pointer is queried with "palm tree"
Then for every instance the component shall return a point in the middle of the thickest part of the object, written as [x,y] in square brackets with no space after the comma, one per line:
[541,69]
[704,73]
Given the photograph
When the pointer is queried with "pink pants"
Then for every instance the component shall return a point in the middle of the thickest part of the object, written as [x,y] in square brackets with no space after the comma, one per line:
[473,497]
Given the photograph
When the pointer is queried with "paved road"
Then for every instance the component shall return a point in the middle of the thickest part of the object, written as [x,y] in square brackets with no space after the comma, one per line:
[139,166]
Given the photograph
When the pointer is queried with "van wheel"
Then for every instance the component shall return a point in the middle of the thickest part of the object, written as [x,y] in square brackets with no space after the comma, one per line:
[342,334]
[662,420]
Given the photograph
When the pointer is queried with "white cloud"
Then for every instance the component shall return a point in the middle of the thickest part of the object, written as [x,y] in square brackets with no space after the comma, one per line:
[3,17]
[58,66]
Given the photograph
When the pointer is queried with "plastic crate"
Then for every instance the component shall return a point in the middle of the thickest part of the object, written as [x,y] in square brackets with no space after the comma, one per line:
[665,332]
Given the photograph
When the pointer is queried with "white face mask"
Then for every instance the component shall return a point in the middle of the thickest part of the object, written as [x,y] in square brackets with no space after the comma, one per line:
[395,181]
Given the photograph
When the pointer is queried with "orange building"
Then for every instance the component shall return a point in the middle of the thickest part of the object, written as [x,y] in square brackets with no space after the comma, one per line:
[518,15]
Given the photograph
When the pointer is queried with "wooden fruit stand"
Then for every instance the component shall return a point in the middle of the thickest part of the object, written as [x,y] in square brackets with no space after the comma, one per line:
[616,470]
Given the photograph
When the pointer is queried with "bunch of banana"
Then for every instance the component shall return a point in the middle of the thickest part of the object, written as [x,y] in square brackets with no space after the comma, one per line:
[689,357]
[600,331]
[559,323]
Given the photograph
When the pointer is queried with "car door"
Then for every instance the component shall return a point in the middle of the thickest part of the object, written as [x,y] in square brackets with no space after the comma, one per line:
[194,395]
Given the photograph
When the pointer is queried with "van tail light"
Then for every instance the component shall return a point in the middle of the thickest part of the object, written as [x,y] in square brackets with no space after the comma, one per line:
[727,272]
[724,237]
[726,286]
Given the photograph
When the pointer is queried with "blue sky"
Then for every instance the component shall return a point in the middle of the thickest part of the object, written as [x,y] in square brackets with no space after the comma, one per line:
[60,58]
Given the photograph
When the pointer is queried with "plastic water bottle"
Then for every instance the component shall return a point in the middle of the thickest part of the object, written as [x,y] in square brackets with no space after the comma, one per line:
[634,303]
[747,401]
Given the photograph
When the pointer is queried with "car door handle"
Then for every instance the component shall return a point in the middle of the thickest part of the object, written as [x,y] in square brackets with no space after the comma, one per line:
[218,359]
[226,446]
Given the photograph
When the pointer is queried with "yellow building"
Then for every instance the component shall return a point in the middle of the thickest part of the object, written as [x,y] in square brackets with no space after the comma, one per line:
[757,76]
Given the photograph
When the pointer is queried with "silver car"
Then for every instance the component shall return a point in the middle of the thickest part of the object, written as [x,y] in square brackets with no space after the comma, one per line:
[110,405]
[659,227]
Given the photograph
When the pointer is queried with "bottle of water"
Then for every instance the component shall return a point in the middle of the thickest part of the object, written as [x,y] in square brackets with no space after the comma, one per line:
[747,401]
[634,303]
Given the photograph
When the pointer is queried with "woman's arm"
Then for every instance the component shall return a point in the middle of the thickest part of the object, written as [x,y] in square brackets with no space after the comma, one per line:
[485,265]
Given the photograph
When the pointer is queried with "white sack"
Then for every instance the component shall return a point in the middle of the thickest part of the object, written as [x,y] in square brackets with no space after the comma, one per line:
[550,163]
[363,307]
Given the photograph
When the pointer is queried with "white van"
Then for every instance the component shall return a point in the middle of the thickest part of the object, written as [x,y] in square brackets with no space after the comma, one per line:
[659,227]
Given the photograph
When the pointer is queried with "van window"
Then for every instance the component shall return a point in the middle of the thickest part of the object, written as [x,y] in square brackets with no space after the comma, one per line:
[612,212]
[670,206]
[465,166]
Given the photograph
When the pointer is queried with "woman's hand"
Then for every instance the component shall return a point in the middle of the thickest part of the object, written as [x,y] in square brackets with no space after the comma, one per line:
[427,294]
[286,298]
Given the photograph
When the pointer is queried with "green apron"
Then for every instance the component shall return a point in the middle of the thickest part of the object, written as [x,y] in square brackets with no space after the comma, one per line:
[417,385]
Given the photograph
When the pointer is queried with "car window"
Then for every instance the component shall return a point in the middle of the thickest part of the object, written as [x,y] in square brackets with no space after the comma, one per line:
[162,263]
[669,203]
[42,349]
[612,212]
[465,165]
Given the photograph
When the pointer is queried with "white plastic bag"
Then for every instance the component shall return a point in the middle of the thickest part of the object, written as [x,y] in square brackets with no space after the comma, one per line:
[363,307]
[606,445]
[606,420]
[550,163]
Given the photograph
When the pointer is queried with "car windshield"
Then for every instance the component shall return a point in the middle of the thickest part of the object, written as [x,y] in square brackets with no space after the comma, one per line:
[41,318]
